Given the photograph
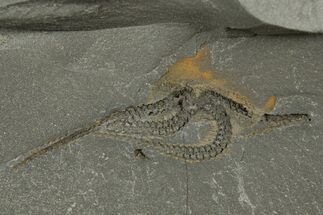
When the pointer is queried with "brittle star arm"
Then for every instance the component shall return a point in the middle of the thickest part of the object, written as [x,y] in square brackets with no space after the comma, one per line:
[210,103]
[192,152]
[40,150]
[153,119]
[268,122]
[159,127]
[211,96]
[134,114]
[150,109]
[197,152]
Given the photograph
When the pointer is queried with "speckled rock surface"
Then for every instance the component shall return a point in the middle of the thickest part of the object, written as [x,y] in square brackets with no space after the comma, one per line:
[280,172]
[58,81]
[52,83]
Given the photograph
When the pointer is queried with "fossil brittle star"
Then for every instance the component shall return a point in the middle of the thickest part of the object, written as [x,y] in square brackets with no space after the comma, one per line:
[121,124]
[215,105]
[186,103]
[195,72]
[148,123]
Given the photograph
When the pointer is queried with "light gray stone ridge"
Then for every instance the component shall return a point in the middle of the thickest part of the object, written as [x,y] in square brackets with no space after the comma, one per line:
[300,15]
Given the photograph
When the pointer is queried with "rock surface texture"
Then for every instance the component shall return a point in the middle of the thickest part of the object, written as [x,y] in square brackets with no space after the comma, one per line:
[66,63]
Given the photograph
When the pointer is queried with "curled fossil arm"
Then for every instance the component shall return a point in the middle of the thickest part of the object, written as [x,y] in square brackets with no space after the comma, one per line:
[198,152]
[189,152]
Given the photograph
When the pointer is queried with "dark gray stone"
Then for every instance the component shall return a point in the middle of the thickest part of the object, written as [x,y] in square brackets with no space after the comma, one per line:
[46,76]
[53,82]
[280,172]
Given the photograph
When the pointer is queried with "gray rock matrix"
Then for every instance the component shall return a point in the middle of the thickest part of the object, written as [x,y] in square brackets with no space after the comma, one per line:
[65,63]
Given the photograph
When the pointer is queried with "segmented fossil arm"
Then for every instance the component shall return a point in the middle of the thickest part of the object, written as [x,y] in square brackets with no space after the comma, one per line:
[196,152]
[286,118]
[216,98]
[193,152]
[150,109]
[268,122]
[35,152]
[169,126]
[171,102]
[139,119]
[149,123]
[152,127]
